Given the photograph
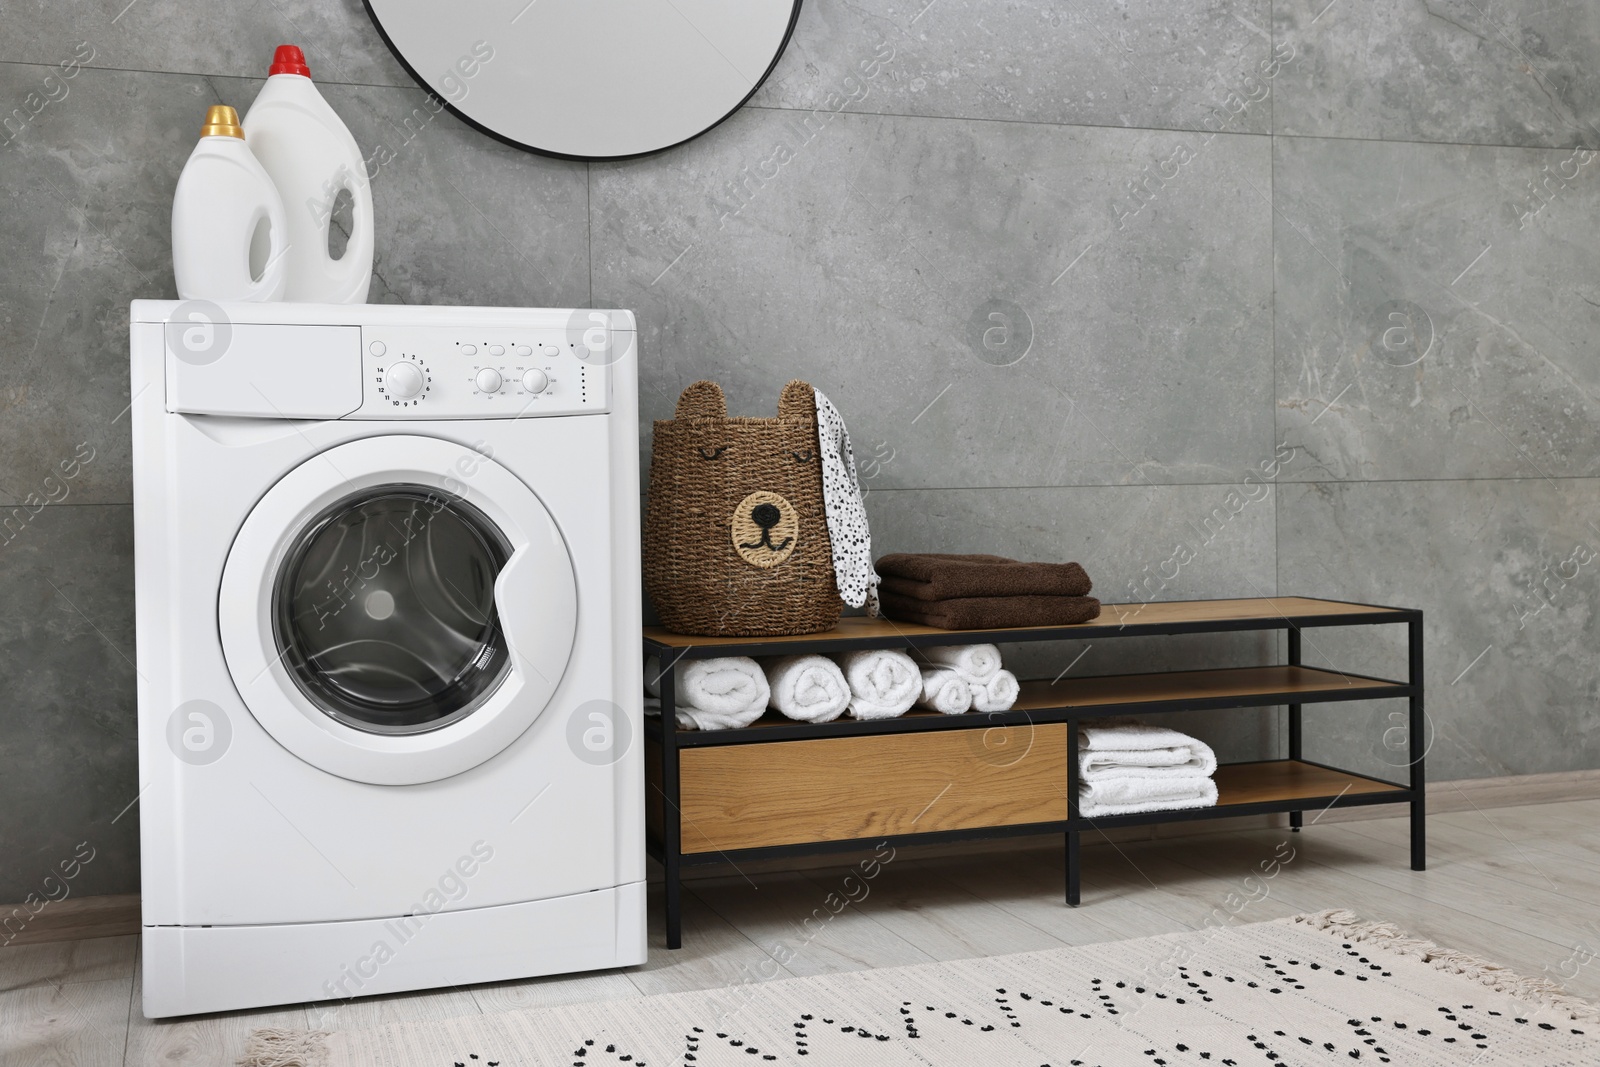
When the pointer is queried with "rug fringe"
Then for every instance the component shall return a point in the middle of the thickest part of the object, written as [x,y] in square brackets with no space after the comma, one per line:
[1351,927]
[277,1047]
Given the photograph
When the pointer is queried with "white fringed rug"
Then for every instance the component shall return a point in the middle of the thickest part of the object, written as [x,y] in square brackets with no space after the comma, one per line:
[1315,990]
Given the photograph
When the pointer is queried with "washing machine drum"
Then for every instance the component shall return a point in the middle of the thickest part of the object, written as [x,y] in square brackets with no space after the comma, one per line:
[385,610]
[398,609]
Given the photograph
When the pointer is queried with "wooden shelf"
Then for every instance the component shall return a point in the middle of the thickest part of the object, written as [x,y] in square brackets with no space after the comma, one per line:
[1273,786]
[1070,698]
[1265,685]
[1116,620]
[1287,780]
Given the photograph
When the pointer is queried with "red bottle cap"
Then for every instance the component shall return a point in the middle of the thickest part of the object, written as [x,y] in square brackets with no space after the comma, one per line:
[288,59]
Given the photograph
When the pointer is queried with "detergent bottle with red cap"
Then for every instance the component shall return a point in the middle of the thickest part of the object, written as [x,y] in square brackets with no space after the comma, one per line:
[229,232]
[312,159]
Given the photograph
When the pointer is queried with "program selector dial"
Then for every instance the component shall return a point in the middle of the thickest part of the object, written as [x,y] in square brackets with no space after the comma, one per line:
[403,380]
[535,380]
[488,380]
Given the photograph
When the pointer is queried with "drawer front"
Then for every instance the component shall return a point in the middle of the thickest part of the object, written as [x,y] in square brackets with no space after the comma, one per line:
[848,788]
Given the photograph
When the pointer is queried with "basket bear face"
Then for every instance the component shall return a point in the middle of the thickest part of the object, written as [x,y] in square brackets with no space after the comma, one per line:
[736,536]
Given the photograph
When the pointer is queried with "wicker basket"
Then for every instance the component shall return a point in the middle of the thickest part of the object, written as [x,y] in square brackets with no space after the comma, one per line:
[736,535]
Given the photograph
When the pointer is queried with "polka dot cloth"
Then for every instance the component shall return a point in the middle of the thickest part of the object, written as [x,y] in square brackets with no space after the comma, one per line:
[847,516]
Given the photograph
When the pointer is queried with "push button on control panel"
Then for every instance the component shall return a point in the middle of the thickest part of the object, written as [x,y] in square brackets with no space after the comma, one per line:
[489,372]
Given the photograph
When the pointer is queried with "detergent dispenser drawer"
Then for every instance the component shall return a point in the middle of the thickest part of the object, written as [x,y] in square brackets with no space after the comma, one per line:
[263,371]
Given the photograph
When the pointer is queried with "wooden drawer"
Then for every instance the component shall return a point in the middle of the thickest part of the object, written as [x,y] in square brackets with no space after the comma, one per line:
[846,788]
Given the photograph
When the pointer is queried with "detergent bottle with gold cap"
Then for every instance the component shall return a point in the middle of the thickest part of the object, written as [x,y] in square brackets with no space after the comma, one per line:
[230,236]
[316,163]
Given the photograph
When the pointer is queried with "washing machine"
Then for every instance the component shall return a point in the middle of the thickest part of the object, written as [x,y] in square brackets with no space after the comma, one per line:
[387,577]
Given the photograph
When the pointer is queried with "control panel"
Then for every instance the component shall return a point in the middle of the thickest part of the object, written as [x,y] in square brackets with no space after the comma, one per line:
[472,372]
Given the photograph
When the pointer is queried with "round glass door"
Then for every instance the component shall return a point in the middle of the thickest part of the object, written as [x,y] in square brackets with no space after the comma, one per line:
[398,609]
[384,610]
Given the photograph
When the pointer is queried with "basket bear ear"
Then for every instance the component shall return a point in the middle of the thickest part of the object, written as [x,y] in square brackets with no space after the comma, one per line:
[702,400]
[798,401]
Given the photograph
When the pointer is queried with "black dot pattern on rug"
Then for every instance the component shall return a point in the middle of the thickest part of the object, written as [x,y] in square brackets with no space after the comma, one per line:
[1041,1013]
[909,1019]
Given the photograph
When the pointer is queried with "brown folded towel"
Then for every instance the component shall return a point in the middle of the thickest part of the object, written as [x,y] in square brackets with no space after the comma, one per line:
[991,613]
[941,576]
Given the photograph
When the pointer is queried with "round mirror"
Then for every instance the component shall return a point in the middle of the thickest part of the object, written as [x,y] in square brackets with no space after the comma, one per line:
[589,79]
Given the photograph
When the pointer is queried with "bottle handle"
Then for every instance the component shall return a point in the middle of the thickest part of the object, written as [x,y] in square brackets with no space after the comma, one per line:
[270,285]
[357,258]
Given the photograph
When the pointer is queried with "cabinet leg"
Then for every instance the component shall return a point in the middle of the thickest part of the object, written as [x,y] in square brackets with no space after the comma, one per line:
[1072,868]
[1296,818]
[1419,837]
[1417,728]
[674,906]
[671,813]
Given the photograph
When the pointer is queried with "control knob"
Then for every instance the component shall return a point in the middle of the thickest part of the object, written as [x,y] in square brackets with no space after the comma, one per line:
[535,380]
[403,380]
[488,380]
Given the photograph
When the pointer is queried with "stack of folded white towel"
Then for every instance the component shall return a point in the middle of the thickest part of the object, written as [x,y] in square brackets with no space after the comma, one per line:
[733,691]
[1126,767]
[949,668]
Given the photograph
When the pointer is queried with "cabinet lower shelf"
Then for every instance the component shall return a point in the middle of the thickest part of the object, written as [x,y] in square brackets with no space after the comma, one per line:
[1272,786]
[793,803]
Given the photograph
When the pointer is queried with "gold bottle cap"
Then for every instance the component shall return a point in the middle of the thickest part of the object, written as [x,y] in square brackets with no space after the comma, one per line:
[222,121]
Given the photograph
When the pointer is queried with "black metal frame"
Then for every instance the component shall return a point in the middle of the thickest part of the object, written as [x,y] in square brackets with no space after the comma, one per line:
[667,846]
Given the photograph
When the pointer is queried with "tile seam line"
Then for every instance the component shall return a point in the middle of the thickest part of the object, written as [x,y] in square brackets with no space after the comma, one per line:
[1079,485]
[204,74]
[1168,129]
[880,114]
[80,504]
[1006,121]
[1234,484]
[1270,134]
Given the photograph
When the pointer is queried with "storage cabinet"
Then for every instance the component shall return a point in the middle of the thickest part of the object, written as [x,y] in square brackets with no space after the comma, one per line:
[780,787]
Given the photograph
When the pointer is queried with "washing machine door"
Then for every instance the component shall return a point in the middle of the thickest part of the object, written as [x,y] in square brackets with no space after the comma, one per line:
[398,609]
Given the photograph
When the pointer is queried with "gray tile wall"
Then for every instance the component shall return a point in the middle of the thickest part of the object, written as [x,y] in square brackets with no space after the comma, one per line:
[1357,230]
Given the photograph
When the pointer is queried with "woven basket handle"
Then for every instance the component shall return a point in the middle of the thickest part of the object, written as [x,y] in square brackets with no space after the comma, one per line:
[702,400]
[798,401]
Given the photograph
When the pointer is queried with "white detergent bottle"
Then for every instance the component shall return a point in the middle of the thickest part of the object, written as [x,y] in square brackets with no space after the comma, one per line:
[230,236]
[311,157]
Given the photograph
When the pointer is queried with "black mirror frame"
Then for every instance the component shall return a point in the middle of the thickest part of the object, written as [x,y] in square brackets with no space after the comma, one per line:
[783,45]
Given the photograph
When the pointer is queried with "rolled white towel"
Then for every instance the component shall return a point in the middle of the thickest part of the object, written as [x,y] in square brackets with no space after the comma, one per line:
[883,682]
[1130,796]
[652,677]
[975,663]
[714,694]
[809,688]
[945,691]
[997,694]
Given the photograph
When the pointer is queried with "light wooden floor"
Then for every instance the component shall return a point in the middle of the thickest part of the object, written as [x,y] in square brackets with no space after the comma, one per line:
[1520,886]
